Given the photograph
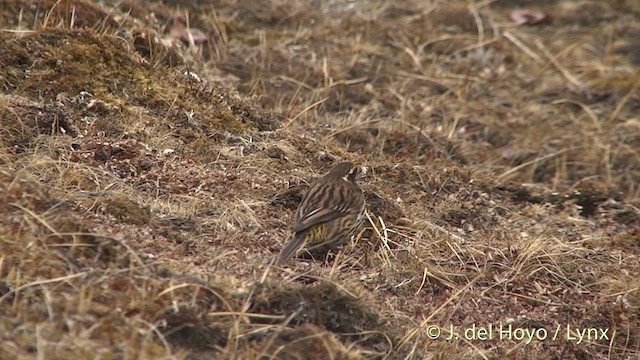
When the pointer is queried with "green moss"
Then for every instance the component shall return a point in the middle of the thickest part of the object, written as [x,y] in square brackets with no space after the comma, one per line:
[126,210]
[621,84]
[627,239]
[55,62]
[322,304]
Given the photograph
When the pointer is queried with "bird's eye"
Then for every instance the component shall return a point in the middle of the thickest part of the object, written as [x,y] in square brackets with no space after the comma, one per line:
[354,173]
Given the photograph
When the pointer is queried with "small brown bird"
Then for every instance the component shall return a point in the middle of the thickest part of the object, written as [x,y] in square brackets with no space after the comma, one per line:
[330,213]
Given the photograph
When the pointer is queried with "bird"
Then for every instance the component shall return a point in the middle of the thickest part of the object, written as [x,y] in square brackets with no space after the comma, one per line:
[329,214]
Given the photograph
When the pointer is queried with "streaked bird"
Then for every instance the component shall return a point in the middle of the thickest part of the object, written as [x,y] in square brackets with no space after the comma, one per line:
[330,213]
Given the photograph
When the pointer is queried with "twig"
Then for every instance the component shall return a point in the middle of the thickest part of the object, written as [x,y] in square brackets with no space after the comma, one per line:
[305,110]
[584,107]
[623,101]
[517,168]
[523,47]
[572,79]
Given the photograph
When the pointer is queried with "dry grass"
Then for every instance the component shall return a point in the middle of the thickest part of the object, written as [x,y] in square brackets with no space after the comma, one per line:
[140,203]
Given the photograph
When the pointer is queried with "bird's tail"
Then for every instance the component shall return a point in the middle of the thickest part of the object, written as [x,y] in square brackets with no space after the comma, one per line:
[288,250]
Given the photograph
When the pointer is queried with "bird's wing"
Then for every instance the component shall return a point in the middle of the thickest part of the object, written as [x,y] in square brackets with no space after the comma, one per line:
[323,215]
[318,209]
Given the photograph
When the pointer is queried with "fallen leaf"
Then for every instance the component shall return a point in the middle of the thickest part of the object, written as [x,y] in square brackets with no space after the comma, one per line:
[529,17]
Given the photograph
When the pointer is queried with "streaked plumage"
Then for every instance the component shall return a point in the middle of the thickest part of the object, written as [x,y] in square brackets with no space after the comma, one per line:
[330,213]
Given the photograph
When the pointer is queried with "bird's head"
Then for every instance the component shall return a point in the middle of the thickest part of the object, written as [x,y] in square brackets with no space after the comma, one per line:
[347,171]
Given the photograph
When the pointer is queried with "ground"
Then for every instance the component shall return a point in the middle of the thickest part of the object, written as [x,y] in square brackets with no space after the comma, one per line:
[152,155]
